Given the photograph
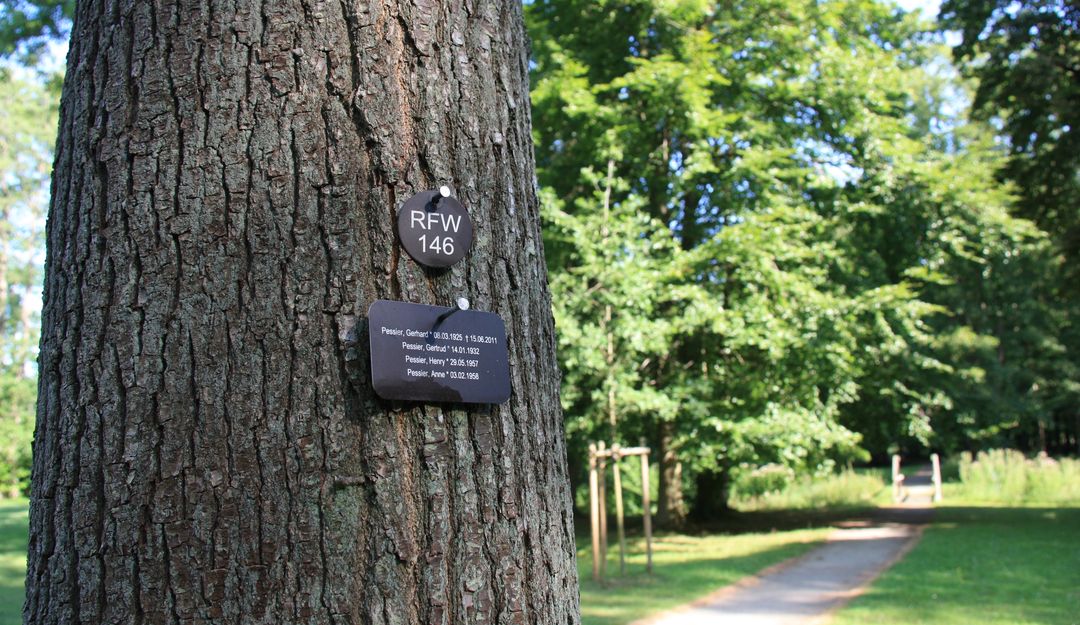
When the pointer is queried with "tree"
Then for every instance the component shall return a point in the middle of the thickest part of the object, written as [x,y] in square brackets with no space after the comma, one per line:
[827,215]
[717,119]
[27,25]
[621,302]
[1026,58]
[208,444]
[27,130]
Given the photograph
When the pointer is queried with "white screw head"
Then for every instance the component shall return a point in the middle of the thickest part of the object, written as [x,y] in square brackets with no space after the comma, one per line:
[444,191]
[462,303]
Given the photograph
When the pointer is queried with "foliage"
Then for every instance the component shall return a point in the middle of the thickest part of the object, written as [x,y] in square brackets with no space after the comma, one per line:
[761,481]
[18,395]
[1006,476]
[27,25]
[1026,57]
[997,566]
[803,252]
[987,356]
[27,128]
[759,490]
[619,305]
[728,283]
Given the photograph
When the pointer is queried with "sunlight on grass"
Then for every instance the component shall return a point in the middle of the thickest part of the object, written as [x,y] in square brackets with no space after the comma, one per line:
[13,536]
[686,568]
[986,565]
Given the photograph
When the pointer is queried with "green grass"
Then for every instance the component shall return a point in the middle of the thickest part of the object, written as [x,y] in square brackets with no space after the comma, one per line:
[985,565]
[990,565]
[13,536]
[685,568]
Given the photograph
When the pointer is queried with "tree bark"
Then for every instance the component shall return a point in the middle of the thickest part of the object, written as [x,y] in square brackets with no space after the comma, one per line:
[670,508]
[209,448]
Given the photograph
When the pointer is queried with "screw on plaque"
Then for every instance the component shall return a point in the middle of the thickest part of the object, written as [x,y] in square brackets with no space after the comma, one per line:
[461,303]
[434,228]
[444,192]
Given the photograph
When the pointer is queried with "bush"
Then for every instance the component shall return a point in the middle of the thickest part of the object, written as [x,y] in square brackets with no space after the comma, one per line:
[847,489]
[764,480]
[1007,476]
[17,398]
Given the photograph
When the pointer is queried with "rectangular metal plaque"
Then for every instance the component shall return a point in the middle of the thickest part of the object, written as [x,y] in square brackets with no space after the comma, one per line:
[438,354]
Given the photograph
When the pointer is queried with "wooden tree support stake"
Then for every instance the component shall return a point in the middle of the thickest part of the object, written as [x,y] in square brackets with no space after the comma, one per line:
[619,520]
[594,513]
[646,507]
[602,455]
[599,454]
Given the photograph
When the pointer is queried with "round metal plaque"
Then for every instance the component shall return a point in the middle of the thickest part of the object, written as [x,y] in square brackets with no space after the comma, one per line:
[434,228]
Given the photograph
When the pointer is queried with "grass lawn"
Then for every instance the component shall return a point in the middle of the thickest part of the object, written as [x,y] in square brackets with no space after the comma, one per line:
[685,568]
[13,535]
[986,565]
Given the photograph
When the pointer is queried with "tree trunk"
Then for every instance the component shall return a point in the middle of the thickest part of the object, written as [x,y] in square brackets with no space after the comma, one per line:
[713,488]
[670,508]
[5,242]
[209,448]
[1076,433]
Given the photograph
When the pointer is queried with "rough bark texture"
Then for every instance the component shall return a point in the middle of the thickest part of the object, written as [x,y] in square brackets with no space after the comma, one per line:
[209,448]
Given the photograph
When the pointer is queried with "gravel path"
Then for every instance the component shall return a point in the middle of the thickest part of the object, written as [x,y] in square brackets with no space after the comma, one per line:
[808,589]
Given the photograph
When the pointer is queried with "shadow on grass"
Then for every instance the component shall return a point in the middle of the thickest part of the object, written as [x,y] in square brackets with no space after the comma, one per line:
[618,600]
[736,522]
[982,564]
[13,538]
[686,568]
[13,526]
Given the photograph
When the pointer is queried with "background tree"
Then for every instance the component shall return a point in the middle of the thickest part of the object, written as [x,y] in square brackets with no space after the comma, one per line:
[700,132]
[1026,59]
[26,26]
[208,444]
[829,211]
[27,131]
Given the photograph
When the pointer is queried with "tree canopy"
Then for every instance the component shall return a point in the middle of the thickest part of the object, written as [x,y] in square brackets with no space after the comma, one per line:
[27,132]
[27,25]
[772,226]
[1025,57]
